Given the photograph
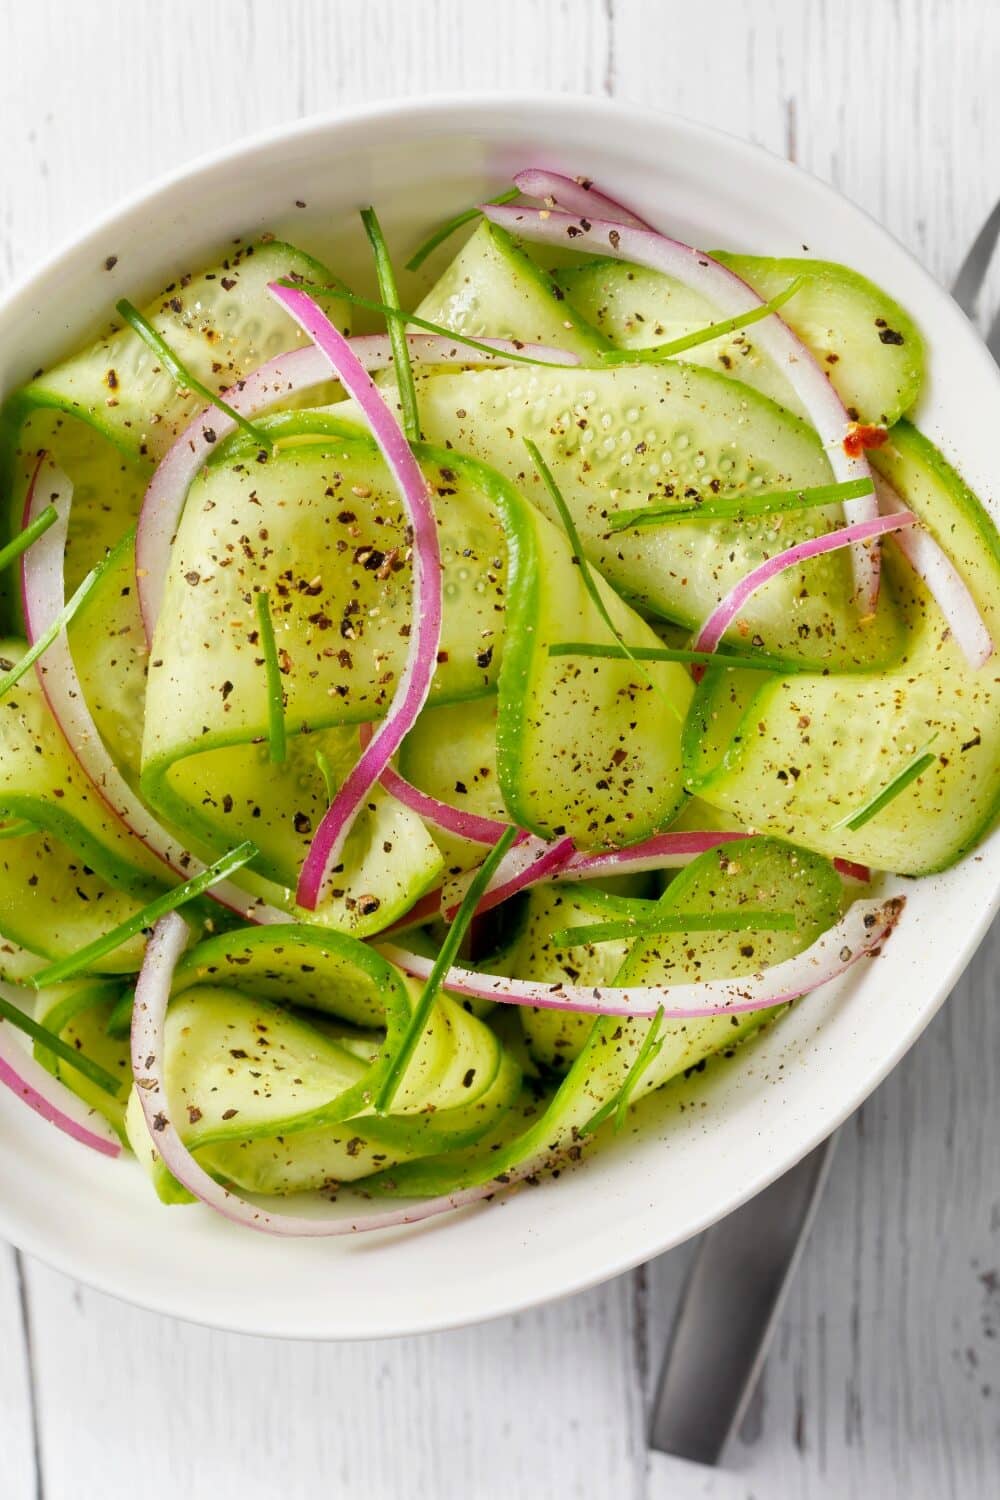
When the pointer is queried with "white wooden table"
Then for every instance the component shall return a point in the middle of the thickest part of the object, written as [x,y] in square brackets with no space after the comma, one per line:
[885,1376]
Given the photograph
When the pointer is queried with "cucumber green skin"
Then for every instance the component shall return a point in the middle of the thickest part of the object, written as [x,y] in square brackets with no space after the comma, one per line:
[877,723]
[612,1046]
[494,289]
[302,965]
[671,427]
[838,314]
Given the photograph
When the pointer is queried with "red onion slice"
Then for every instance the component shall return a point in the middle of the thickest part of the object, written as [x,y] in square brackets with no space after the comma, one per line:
[26,1078]
[285,375]
[664,851]
[726,611]
[733,296]
[575,196]
[43,595]
[152,996]
[944,582]
[865,926]
[530,860]
[425,632]
[454,820]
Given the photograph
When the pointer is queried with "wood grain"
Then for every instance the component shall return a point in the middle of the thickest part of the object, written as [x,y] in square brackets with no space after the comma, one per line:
[885,1376]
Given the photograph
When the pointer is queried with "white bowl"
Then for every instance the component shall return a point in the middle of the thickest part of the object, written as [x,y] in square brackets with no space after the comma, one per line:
[750,1118]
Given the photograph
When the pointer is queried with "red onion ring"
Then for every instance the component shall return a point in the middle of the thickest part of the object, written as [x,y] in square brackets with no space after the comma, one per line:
[733,296]
[454,820]
[285,375]
[530,860]
[664,851]
[728,608]
[425,634]
[865,926]
[945,584]
[43,595]
[152,997]
[575,196]
[25,1077]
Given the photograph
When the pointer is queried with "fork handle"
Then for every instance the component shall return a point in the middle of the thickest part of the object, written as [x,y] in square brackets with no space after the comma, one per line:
[733,1295]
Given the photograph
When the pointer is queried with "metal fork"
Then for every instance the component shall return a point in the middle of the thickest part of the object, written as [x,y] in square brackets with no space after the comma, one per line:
[743,1268]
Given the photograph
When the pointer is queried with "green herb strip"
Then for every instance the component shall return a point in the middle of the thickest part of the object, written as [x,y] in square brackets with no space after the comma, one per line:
[65,968]
[276,738]
[740,507]
[38,527]
[65,1053]
[396,324]
[669,653]
[590,584]
[617,1105]
[446,230]
[702,335]
[446,957]
[917,767]
[184,377]
[370,304]
[62,619]
[749,920]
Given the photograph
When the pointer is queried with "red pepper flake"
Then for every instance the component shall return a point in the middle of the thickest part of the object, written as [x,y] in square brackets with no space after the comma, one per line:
[861,435]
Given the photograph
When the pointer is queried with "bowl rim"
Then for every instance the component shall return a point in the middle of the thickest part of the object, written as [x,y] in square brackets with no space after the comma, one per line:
[448,108]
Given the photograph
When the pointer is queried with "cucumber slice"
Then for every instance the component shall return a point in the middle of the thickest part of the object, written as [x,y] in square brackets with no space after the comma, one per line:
[79,1013]
[221,323]
[494,289]
[869,346]
[807,751]
[556,1038]
[759,872]
[617,439]
[41,782]
[108,413]
[52,903]
[111,658]
[584,747]
[18,964]
[320,525]
[253,1079]
[767,873]
[451,754]
[108,485]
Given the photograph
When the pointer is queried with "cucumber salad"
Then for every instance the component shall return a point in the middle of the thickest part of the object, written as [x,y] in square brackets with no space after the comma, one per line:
[419,744]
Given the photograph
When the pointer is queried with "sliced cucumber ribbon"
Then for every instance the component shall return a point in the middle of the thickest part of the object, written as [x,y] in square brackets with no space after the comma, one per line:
[726,611]
[734,296]
[945,583]
[166,946]
[42,586]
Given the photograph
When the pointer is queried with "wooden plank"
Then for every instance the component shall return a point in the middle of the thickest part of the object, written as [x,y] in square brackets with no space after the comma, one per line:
[17,1448]
[532,1406]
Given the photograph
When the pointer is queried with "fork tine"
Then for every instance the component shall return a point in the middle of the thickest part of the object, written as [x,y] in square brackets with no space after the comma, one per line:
[972,272]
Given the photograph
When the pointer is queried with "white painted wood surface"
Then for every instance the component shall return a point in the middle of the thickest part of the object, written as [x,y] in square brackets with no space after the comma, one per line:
[885,1376]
